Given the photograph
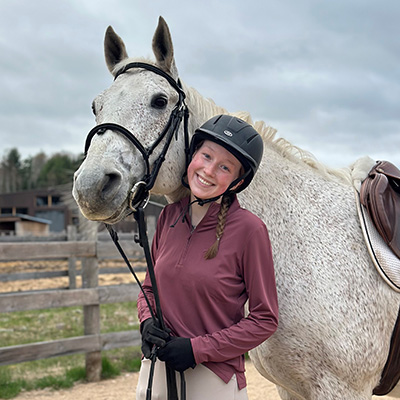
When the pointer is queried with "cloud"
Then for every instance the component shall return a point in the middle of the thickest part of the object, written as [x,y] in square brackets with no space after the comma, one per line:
[325,74]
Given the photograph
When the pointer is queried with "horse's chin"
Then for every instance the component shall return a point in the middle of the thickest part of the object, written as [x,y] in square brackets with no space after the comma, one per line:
[116,217]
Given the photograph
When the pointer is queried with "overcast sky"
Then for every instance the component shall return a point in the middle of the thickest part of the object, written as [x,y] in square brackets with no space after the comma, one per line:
[325,73]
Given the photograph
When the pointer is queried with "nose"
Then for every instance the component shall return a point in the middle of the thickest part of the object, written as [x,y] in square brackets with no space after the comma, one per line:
[110,184]
[209,169]
[95,187]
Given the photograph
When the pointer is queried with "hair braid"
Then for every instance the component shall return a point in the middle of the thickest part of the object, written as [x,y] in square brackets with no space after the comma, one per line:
[225,204]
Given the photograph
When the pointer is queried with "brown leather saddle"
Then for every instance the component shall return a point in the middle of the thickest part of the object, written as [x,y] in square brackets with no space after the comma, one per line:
[380,195]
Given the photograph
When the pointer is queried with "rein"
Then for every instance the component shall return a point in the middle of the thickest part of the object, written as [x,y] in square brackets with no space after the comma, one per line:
[158,319]
[139,197]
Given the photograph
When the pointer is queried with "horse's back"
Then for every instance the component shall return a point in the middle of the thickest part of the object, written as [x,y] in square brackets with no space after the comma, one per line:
[336,313]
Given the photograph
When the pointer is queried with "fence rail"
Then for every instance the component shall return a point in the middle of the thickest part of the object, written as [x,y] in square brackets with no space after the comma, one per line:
[46,251]
[90,297]
[102,250]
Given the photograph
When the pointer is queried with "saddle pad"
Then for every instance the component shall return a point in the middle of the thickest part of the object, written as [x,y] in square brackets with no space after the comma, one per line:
[385,261]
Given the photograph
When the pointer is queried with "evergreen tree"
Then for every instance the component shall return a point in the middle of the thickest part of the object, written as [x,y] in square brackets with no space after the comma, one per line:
[10,171]
[36,172]
[58,170]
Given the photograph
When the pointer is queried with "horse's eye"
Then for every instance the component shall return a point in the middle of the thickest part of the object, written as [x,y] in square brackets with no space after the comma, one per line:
[93,108]
[159,102]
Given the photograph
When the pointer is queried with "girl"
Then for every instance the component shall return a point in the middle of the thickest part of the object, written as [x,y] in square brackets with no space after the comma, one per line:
[210,257]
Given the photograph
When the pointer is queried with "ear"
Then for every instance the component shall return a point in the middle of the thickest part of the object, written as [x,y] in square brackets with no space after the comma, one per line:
[114,49]
[163,48]
[237,185]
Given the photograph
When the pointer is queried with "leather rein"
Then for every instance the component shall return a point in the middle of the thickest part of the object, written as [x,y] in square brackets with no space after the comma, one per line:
[139,197]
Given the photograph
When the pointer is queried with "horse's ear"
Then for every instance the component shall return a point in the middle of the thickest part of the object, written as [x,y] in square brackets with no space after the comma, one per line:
[163,48]
[114,49]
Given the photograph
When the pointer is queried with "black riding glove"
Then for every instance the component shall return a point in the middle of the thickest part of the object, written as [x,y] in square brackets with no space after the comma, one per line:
[152,335]
[178,354]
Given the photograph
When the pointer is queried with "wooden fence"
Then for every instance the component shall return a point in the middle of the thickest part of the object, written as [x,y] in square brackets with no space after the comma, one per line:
[90,296]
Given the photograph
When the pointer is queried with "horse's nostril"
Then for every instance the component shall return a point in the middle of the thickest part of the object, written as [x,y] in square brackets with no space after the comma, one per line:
[111,183]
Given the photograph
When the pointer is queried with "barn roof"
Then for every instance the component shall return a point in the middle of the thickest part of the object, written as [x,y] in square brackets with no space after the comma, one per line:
[23,217]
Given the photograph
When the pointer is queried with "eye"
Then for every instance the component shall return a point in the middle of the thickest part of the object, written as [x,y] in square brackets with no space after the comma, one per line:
[159,102]
[225,168]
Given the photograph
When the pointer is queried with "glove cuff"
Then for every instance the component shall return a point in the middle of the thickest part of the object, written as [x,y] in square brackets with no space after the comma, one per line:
[144,324]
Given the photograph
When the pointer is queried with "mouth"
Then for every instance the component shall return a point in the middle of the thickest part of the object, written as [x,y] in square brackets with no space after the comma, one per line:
[114,219]
[204,181]
[118,215]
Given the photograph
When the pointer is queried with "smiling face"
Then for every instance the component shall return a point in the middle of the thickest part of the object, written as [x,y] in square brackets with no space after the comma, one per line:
[212,170]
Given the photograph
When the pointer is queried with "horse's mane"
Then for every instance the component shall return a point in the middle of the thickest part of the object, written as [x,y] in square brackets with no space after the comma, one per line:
[208,107]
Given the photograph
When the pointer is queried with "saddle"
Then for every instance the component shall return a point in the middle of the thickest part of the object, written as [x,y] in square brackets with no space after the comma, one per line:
[380,195]
[380,200]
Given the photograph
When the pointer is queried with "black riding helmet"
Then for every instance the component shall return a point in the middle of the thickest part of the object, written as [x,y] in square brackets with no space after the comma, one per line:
[236,136]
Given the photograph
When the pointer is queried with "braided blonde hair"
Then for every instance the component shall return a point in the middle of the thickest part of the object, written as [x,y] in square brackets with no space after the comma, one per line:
[223,211]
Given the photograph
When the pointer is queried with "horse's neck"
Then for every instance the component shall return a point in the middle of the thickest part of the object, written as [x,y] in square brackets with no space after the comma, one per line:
[177,194]
[287,188]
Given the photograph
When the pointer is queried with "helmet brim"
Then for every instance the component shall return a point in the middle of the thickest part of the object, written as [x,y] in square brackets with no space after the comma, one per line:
[203,134]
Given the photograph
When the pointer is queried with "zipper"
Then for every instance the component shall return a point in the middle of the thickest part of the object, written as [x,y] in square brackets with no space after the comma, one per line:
[186,248]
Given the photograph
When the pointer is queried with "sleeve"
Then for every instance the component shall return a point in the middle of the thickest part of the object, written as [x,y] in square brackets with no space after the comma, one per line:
[262,320]
[142,306]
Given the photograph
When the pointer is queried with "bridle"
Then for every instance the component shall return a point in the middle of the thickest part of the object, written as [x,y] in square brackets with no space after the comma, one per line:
[140,192]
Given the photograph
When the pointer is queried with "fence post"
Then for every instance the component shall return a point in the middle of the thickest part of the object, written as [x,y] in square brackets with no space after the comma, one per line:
[72,235]
[90,279]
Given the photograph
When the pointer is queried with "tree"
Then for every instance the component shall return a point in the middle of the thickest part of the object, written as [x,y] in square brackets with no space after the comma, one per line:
[10,171]
[37,164]
[36,172]
[58,170]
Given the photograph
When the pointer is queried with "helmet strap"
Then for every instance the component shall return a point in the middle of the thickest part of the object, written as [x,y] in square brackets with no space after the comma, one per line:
[201,202]
[184,180]
[236,181]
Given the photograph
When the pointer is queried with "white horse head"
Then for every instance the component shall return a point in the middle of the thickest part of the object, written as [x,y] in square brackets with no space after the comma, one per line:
[336,314]
[142,102]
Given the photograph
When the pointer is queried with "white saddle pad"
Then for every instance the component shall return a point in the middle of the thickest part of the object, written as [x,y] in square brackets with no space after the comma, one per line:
[385,261]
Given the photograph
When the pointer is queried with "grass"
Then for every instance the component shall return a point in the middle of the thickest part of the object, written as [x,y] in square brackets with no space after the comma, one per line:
[62,372]
[58,323]
[10,386]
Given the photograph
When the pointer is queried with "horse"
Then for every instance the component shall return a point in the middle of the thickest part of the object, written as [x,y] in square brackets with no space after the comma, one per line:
[336,313]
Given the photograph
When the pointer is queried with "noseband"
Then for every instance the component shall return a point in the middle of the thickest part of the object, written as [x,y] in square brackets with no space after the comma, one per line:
[140,192]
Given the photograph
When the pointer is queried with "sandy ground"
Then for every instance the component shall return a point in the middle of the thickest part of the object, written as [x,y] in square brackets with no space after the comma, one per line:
[61,282]
[123,388]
